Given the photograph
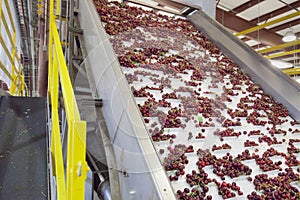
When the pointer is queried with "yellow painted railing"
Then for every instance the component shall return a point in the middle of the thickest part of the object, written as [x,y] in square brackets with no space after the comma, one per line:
[283,54]
[281,46]
[275,21]
[70,181]
[294,71]
[18,86]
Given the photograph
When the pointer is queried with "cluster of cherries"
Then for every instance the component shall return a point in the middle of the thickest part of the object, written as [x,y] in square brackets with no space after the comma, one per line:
[254,132]
[269,140]
[131,78]
[205,158]
[229,132]
[176,161]
[229,122]
[278,187]
[223,146]
[160,135]
[266,164]
[171,95]
[249,143]
[226,189]
[237,113]
[245,155]
[142,92]
[227,166]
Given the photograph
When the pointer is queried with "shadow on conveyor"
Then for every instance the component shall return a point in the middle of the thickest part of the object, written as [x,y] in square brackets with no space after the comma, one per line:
[23,149]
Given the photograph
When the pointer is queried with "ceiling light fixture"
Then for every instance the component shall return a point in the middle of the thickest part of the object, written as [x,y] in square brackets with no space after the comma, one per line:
[289,36]
[281,64]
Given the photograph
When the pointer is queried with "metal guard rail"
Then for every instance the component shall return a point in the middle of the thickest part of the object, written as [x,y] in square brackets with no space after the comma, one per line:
[18,86]
[71,187]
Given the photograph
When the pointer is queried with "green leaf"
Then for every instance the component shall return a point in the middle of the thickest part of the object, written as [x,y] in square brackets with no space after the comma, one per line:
[200,119]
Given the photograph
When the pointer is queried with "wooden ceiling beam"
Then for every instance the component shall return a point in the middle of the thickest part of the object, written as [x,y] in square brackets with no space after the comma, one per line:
[276,12]
[246,5]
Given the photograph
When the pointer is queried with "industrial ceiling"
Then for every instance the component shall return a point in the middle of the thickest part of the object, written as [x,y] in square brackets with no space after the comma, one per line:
[239,15]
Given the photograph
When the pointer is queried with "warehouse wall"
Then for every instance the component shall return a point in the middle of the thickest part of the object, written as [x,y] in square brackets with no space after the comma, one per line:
[3,57]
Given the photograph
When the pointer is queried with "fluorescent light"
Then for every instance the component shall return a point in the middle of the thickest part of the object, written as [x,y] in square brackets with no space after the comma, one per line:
[289,36]
[281,64]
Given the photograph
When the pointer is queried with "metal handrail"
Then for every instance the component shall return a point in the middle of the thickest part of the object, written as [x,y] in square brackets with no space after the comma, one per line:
[76,170]
[18,86]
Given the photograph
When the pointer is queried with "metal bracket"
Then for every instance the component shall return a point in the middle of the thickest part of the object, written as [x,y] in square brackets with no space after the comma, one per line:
[76,30]
[77,57]
[96,102]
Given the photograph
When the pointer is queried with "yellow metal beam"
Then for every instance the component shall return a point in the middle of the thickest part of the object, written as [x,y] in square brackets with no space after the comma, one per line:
[7,29]
[18,59]
[294,71]
[250,30]
[281,46]
[57,7]
[6,72]
[1,12]
[6,49]
[56,142]
[56,146]
[10,16]
[283,54]
[71,108]
[14,89]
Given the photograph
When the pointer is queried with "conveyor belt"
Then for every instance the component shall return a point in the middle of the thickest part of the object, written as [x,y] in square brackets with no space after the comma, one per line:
[23,152]
[129,130]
